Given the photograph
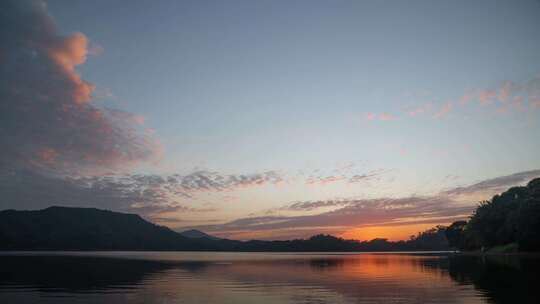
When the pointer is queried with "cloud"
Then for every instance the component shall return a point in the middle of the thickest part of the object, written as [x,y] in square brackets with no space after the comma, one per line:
[380,117]
[495,185]
[535,102]
[213,181]
[444,207]
[324,180]
[505,97]
[422,109]
[48,120]
[352,214]
[486,96]
[345,176]
[370,176]
[386,117]
[446,108]
[371,116]
[312,205]
[466,98]
[148,195]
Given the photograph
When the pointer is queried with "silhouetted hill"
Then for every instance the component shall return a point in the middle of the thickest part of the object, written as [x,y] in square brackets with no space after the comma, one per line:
[63,228]
[196,234]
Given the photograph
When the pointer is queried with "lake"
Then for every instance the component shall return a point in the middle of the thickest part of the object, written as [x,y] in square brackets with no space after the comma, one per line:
[204,277]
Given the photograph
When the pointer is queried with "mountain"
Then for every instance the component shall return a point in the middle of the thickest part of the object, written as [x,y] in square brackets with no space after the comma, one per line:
[196,234]
[63,228]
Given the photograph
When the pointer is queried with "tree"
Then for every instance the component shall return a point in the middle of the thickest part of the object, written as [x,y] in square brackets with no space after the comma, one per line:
[455,234]
[528,228]
[495,222]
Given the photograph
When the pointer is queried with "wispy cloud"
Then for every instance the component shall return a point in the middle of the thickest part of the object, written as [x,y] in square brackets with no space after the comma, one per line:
[505,97]
[420,110]
[346,214]
[445,110]
[350,214]
[324,180]
[495,185]
[313,205]
[144,194]
[380,117]
[349,177]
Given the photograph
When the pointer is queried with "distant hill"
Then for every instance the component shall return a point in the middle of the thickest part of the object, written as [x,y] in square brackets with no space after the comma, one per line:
[64,228]
[196,234]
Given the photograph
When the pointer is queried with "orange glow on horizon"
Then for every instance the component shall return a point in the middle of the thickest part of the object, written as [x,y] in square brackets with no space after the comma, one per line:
[392,233]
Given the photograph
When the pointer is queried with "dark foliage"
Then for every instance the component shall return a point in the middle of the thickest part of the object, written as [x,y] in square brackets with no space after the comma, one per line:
[511,217]
[454,234]
[62,228]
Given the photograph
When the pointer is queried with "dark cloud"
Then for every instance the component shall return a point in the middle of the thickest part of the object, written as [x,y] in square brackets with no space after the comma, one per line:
[213,181]
[496,185]
[312,205]
[374,175]
[325,179]
[47,120]
[147,195]
[27,189]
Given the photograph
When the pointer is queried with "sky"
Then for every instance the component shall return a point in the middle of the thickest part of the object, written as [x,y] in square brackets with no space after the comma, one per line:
[269,119]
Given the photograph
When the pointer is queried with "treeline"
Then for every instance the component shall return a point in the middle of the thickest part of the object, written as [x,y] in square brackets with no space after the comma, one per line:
[433,239]
[509,221]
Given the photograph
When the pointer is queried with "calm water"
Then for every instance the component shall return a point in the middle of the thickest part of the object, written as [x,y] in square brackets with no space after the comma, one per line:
[179,277]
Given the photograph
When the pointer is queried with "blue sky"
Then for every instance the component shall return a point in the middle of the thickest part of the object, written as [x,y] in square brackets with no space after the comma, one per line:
[244,85]
[425,95]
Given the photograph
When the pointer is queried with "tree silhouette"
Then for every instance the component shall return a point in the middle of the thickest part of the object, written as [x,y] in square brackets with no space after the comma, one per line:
[510,217]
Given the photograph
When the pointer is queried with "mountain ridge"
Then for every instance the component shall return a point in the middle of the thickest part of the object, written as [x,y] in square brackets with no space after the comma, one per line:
[69,228]
[195,234]
[88,229]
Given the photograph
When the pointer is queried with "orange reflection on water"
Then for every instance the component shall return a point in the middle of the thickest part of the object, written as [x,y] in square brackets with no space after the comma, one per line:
[403,269]
[342,278]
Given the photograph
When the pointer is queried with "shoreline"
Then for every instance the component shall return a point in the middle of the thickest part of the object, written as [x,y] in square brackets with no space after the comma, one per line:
[487,253]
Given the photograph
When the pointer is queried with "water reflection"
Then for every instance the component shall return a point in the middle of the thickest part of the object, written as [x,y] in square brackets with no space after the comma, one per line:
[503,279]
[266,278]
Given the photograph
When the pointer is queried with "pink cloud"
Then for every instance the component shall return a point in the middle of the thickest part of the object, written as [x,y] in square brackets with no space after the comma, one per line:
[420,110]
[42,90]
[466,98]
[47,155]
[486,97]
[517,102]
[324,180]
[386,117]
[444,110]
[505,91]
[380,117]
[535,101]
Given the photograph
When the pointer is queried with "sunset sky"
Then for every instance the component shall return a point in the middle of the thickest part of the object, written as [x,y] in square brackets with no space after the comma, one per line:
[269,119]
